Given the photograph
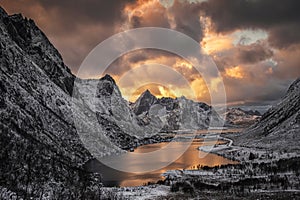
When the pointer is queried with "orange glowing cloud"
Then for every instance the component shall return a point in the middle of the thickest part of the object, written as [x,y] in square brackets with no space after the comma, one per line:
[144,13]
[235,72]
[157,70]
[200,89]
[213,42]
[157,90]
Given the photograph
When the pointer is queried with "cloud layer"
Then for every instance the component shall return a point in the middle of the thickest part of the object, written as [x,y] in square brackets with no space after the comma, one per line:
[254,43]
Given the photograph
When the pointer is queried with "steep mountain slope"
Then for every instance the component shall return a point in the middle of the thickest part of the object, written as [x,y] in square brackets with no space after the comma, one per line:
[40,150]
[178,113]
[279,127]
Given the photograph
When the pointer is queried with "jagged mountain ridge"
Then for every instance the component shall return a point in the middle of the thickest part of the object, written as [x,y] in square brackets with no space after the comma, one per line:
[279,128]
[178,113]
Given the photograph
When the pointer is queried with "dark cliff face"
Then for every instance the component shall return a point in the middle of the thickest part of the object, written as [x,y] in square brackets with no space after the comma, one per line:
[279,127]
[36,45]
[144,102]
[40,150]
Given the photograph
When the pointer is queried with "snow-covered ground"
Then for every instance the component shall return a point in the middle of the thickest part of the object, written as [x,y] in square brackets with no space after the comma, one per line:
[137,193]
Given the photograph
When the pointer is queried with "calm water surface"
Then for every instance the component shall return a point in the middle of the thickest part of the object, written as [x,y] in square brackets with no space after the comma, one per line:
[190,159]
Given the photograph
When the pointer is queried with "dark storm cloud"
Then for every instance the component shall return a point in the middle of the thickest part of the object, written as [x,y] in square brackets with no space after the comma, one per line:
[243,55]
[271,90]
[74,26]
[125,62]
[252,54]
[284,35]
[87,11]
[186,16]
[279,18]
[73,12]
[182,16]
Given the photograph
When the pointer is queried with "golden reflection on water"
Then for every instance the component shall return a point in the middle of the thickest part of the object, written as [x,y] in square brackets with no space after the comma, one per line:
[191,159]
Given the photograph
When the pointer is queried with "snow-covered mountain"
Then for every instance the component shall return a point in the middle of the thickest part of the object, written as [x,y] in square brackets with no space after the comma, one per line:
[177,113]
[240,117]
[279,128]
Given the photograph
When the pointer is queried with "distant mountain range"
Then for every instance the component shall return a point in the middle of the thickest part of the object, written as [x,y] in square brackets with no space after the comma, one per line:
[240,117]
[177,113]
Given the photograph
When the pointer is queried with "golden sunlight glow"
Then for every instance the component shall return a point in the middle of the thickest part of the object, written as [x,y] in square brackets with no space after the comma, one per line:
[195,87]
[215,82]
[199,87]
[212,41]
[184,64]
[165,92]
[142,9]
[157,90]
[235,72]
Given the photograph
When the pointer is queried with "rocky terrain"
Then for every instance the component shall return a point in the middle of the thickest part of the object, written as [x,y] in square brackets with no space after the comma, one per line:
[179,113]
[240,117]
[41,154]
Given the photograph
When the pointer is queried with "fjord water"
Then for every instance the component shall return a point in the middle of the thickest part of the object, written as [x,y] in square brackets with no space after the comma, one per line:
[190,159]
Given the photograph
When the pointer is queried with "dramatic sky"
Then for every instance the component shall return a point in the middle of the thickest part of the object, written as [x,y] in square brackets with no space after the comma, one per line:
[254,43]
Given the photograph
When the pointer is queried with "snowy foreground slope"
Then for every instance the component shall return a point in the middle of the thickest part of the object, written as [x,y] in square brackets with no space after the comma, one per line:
[279,127]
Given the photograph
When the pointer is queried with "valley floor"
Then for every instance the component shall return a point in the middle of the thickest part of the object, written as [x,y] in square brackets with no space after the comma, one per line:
[261,174]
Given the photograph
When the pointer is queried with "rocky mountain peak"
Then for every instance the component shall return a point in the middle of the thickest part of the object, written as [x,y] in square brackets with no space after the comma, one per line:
[107,86]
[2,12]
[147,94]
[294,86]
[144,102]
[34,43]
[107,77]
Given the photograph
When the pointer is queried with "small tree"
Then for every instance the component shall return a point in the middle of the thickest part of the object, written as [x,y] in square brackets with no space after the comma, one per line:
[251,156]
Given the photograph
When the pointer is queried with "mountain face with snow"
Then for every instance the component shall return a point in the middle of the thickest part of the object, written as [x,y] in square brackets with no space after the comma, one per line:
[114,114]
[178,113]
[240,117]
[40,150]
[279,128]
